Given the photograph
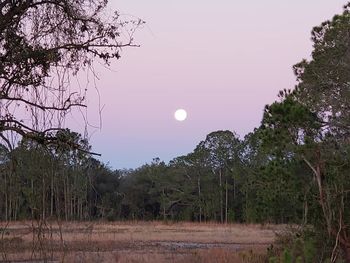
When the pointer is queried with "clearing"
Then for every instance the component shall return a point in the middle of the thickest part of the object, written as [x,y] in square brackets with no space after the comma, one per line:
[123,242]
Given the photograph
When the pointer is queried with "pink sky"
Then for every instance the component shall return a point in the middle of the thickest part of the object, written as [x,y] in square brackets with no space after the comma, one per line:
[221,60]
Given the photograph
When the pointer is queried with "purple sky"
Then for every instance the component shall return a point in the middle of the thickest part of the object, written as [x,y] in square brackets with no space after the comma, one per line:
[221,60]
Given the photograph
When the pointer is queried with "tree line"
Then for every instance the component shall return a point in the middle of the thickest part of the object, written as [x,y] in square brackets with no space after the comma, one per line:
[215,182]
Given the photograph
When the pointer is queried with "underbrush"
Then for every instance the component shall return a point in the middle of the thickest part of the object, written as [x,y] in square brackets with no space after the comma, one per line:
[303,245]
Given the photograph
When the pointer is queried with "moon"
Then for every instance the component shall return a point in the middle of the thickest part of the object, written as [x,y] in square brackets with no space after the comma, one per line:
[180,115]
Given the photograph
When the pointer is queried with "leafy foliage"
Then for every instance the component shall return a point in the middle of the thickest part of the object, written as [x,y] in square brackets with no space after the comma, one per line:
[43,45]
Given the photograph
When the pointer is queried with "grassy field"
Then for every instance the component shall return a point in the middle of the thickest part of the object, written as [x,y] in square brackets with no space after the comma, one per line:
[149,242]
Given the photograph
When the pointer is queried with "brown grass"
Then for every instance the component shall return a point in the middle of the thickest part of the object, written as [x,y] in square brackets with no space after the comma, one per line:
[126,242]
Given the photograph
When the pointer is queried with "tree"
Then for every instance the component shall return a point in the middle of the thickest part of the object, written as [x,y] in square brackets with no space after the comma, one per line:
[104,190]
[222,149]
[313,123]
[324,88]
[188,178]
[271,183]
[39,182]
[142,191]
[42,45]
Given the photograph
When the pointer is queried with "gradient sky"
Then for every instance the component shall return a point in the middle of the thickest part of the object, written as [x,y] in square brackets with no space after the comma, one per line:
[222,61]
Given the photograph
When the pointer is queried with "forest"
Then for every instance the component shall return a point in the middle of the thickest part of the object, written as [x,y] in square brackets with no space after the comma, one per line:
[292,169]
[224,179]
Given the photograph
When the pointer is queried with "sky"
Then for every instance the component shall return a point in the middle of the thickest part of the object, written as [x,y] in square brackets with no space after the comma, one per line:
[222,61]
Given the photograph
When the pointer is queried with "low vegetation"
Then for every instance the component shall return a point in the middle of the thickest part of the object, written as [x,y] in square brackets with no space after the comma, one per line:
[135,241]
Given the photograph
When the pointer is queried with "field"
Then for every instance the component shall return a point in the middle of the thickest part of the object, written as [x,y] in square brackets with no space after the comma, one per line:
[134,242]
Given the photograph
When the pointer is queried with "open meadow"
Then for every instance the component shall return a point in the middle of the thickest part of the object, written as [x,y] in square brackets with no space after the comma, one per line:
[134,242]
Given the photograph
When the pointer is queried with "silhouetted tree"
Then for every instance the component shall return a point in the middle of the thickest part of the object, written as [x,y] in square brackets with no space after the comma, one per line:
[42,45]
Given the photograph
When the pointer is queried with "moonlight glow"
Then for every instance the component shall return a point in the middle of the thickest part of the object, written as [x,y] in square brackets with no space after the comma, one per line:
[180,115]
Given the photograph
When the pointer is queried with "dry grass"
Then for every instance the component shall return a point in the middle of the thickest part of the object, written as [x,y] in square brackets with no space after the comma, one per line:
[126,242]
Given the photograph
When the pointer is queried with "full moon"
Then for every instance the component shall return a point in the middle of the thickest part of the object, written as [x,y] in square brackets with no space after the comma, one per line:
[180,115]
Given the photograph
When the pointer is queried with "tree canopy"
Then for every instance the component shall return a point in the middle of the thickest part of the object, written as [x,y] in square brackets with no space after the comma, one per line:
[42,45]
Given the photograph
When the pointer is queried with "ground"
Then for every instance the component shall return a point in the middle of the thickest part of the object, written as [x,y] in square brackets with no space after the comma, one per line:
[123,242]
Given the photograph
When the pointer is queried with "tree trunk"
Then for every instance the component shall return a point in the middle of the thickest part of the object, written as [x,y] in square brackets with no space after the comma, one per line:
[164,216]
[199,198]
[6,200]
[318,177]
[306,210]
[52,196]
[32,188]
[221,199]
[43,198]
[10,208]
[65,199]
[57,203]
[226,202]
[16,209]
[234,189]
[71,205]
